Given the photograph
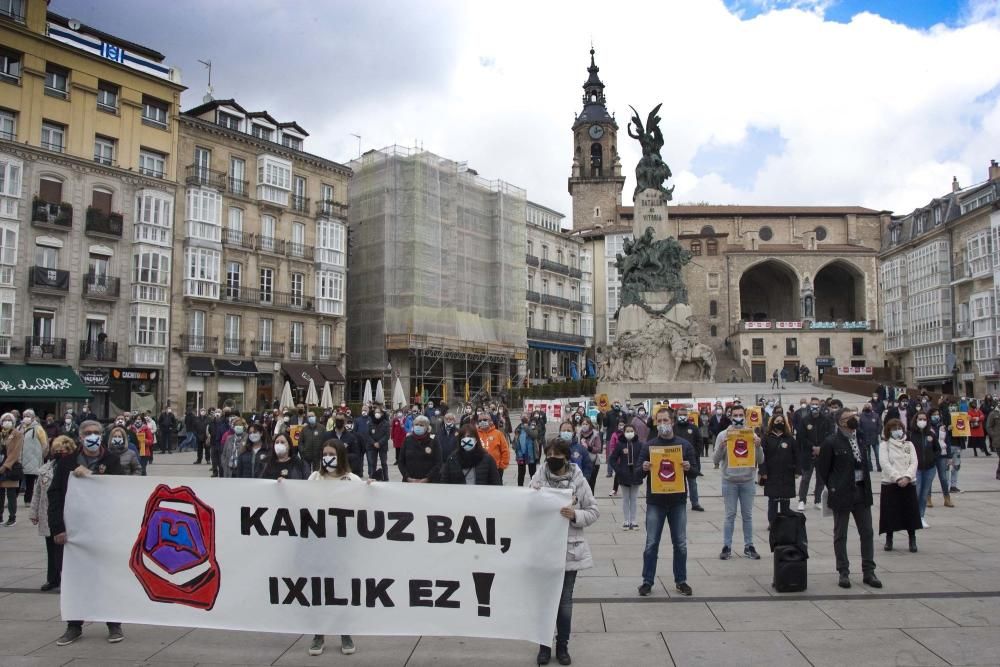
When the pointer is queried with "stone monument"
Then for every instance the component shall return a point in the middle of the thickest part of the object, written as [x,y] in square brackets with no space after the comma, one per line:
[656,350]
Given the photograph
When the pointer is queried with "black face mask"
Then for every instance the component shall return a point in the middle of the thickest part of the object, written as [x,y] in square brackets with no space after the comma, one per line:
[852,423]
[555,465]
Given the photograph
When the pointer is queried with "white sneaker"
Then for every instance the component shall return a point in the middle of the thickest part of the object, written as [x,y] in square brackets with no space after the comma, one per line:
[817,506]
[923,522]
[802,506]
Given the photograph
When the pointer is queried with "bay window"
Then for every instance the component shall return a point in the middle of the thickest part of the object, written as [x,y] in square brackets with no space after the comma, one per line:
[330,242]
[203,215]
[154,217]
[150,275]
[274,179]
[201,273]
[330,292]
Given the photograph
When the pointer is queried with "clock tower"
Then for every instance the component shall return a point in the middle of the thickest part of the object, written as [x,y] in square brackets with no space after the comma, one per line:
[596,181]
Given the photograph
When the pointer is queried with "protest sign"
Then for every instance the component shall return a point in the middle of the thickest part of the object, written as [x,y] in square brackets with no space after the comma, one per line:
[960,426]
[315,558]
[755,416]
[666,469]
[294,433]
[740,449]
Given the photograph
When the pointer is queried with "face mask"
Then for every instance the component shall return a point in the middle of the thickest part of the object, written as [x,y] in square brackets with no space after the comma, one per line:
[378,415]
[286,419]
[664,430]
[92,442]
[585,429]
[642,414]
[67,421]
[419,430]
[437,413]
[238,430]
[867,410]
[280,449]
[555,465]
[483,425]
[935,419]
[202,413]
[851,423]
[349,427]
[312,419]
[468,444]
[921,423]
[896,434]
[718,411]
[630,435]
[364,413]
[737,421]
[330,462]
[779,425]
[117,443]
[119,422]
[254,437]
[566,435]
[682,418]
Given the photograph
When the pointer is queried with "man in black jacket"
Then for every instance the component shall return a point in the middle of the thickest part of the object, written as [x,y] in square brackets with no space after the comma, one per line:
[843,463]
[377,444]
[686,429]
[92,459]
[810,433]
[167,427]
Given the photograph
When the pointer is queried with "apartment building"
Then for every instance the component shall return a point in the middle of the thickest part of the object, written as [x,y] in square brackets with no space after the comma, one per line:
[260,267]
[560,318]
[940,275]
[87,169]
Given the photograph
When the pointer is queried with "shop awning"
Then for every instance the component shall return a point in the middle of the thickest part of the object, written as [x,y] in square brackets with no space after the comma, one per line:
[201,366]
[331,373]
[300,374]
[26,382]
[236,367]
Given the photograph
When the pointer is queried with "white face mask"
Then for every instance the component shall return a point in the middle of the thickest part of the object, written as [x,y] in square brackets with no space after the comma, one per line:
[921,423]
[897,434]
[280,449]
[330,462]
[630,435]
[254,437]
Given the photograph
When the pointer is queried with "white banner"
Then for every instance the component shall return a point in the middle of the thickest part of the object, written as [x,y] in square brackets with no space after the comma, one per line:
[315,557]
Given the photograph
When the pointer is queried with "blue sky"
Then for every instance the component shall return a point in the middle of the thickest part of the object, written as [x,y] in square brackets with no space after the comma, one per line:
[913,13]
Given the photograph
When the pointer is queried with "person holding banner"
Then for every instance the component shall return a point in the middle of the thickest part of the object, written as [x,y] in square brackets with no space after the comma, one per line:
[284,464]
[39,514]
[420,457]
[559,473]
[737,450]
[254,457]
[666,500]
[470,463]
[780,466]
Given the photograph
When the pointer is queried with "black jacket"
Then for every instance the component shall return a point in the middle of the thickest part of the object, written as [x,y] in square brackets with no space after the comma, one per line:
[415,462]
[486,472]
[928,445]
[379,432]
[836,465]
[626,461]
[250,465]
[355,448]
[688,431]
[108,464]
[448,440]
[781,462]
[811,431]
[669,499]
[294,468]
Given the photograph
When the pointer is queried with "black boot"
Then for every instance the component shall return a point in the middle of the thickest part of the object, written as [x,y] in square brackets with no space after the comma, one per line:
[913,542]
[544,655]
[562,654]
[888,541]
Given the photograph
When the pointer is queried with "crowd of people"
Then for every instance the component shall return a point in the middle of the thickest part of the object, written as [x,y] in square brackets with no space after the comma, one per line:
[905,441]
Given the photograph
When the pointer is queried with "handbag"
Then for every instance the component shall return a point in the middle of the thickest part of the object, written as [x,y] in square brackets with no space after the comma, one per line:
[16,471]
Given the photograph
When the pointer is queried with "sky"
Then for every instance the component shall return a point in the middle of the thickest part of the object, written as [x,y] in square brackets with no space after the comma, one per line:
[782,102]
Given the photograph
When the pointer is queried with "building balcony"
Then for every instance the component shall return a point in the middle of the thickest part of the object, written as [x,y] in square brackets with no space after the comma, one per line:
[101,286]
[53,281]
[557,301]
[200,344]
[98,351]
[300,204]
[297,350]
[558,267]
[104,224]
[988,367]
[44,349]
[300,251]
[531,260]
[148,355]
[57,216]
[331,209]
[533,297]
[267,349]
[199,175]
[557,337]
[325,353]
[236,238]
[963,330]
[238,187]
[269,244]
[267,299]
[232,346]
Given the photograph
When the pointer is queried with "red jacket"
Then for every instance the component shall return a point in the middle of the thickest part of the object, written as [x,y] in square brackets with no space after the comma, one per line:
[977,422]
[397,433]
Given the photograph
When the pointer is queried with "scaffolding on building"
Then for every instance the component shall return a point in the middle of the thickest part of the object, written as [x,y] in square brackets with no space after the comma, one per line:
[437,274]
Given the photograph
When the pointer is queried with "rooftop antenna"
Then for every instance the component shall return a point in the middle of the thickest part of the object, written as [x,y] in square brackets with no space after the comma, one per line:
[208,94]
[358,137]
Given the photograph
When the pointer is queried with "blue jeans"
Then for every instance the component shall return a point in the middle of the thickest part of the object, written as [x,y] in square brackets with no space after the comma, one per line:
[693,490]
[744,493]
[925,478]
[941,465]
[956,464]
[676,516]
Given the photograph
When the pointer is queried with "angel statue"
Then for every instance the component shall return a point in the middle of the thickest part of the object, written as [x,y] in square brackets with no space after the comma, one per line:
[651,171]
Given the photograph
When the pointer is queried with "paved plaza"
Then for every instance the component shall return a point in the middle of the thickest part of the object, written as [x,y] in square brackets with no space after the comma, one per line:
[938,607]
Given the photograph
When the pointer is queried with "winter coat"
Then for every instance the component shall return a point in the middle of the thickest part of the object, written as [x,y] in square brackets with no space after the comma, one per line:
[780,464]
[251,464]
[11,455]
[578,556]
[495,442]
[836,466]
[34,448]
[231,448]
[398,432]
[40,500]
[128,459]
[379,433]
[144,440]
[448,440]
[993,427]
[976,423]
[928,443]
[420,458]
[311,439]
[293,468]
[624,460]
[869,429]
[580,457]
[812,431]
[353,444]
[688,431]
[525,444]
[484,468]
[594,445]
[106,464]
[898,459]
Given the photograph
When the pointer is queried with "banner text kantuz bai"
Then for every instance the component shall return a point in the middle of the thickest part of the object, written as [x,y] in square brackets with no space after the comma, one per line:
[372,525]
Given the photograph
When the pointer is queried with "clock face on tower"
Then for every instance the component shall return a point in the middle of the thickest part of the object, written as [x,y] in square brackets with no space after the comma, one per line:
[596,131]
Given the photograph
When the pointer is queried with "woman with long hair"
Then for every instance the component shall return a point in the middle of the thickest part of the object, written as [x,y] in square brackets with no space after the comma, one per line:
[470,463]
[899,508]
[780,465]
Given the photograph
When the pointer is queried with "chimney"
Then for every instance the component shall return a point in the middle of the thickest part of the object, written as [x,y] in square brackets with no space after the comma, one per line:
[994,171]
[955,187]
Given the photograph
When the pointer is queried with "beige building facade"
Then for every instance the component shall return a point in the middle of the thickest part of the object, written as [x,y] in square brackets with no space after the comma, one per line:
[940,269]
[88,138]
[259,261]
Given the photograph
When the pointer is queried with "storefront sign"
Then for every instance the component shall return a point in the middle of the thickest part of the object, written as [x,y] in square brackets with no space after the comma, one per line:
[136,374]
[96,379]
[825,361]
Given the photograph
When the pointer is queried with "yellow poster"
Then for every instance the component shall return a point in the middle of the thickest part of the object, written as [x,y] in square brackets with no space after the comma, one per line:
[960,427]
[755,416]
[666,469]
[603,404]
[740,449]
[293,434]
[693,417]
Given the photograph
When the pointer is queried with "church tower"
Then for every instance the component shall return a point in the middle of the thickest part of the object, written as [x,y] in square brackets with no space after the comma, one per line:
[596,181]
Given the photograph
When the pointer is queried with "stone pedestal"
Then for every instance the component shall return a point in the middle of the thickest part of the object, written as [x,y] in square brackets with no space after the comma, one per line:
[650,210]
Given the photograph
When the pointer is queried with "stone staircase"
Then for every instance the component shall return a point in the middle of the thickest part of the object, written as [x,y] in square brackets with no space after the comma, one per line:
[725,365]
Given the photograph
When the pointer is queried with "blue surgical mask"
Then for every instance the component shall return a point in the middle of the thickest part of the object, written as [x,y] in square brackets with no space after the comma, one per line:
[311,419]
[936,419]
[566,435]
[419,430]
